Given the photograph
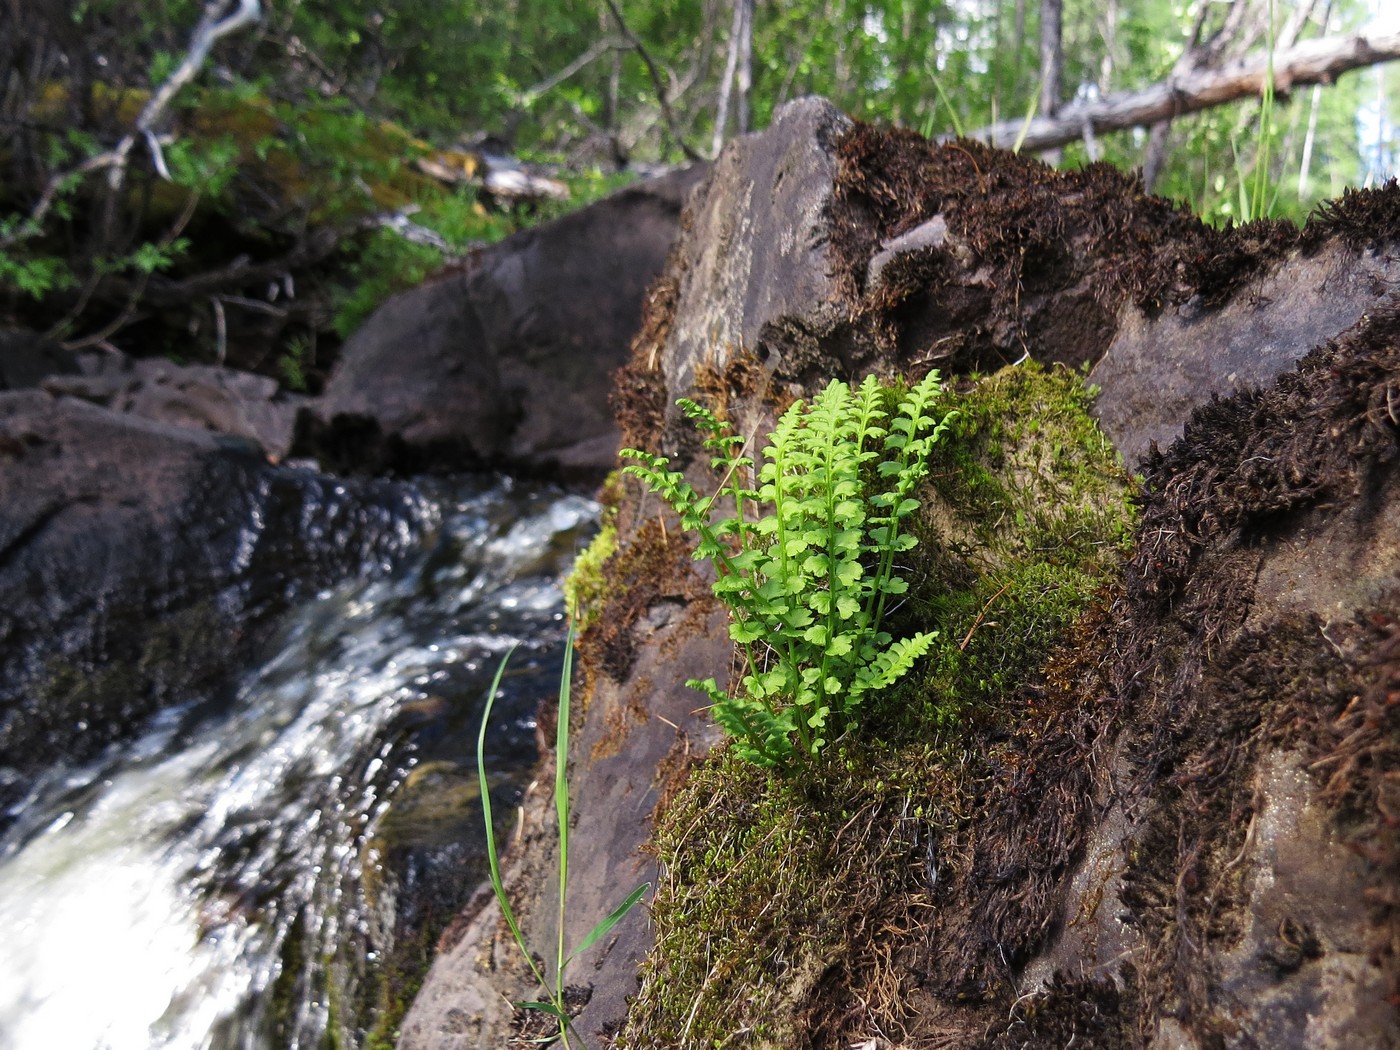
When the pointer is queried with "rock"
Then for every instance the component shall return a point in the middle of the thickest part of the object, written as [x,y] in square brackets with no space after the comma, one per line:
[755,270]
[1134,841]
[505,363]
[632,733]
[1256,658]
[141,562]
[931,234]
[1159,368]
[204,397]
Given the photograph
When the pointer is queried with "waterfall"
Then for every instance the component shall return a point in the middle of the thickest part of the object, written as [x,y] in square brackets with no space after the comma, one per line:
[194,887]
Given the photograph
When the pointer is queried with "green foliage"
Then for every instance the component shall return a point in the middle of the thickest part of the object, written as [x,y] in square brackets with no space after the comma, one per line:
[383,261]
[386,263]
[33,275]
[294,362]
[553,1004]
[808,577]
[585,587]
[1026,516]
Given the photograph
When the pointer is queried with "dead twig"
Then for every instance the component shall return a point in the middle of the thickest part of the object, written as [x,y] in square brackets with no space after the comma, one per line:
[216,23]
[656,83]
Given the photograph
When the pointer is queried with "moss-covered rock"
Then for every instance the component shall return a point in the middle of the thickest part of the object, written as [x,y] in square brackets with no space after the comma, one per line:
[793,904]
[1102,812]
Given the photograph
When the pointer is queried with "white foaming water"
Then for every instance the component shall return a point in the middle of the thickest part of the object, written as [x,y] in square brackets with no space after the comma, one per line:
[145,900]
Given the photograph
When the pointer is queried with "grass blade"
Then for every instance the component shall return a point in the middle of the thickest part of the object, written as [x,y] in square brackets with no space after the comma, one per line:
[542,1007]
[602,929]
[492,857]
[561,797]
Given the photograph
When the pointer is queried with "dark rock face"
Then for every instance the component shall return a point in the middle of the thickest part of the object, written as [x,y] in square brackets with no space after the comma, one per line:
[506,363]
[27,357]
[1191,844]
[138,562]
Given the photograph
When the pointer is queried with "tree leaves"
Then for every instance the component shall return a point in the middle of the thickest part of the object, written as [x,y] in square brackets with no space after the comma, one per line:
[807,579]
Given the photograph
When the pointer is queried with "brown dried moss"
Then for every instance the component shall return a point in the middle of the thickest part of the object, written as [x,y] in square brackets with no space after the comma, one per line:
[648,567]
[638,395]
[1036,261]
[1201,691]
[1362,219]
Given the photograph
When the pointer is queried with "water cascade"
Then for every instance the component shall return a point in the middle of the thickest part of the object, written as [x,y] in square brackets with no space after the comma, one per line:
[215,881]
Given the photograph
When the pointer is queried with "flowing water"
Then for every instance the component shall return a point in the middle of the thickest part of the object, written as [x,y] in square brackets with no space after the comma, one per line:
[192,888]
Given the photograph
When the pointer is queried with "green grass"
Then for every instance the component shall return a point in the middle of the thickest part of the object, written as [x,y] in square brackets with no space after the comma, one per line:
[553,1002]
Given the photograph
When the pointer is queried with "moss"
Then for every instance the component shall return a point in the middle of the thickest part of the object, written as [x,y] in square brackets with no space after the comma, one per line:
[1360,218]
[585,587]
[1033,260]
[1026,515]
[796,910]
[639,574]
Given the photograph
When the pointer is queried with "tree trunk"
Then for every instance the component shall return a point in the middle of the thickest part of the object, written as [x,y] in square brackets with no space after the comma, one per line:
[1052,62]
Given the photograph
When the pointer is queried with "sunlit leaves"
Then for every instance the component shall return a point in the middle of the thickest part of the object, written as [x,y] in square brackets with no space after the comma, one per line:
[804,556]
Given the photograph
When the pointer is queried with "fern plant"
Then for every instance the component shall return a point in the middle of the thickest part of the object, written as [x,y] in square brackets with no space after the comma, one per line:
[805,557]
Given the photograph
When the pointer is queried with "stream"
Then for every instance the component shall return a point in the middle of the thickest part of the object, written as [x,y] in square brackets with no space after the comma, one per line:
[218,881]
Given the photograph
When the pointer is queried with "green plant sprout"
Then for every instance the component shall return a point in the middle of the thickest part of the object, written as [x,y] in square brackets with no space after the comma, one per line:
[806,561]
[553,1003]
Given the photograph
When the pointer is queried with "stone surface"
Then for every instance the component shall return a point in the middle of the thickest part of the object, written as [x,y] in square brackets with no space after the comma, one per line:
[931,234]
[26,357]
[756,269]
[203,397]
[1158,369]
[505,363]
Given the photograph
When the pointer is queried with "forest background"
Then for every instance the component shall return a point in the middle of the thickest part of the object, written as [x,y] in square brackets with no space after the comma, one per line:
[252,204]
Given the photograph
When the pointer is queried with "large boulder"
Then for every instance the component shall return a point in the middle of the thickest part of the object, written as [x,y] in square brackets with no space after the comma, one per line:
[1168,818]
[141,562]
[506,362]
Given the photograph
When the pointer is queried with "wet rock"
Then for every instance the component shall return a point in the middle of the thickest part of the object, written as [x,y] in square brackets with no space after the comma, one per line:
[141,562]
[505,363]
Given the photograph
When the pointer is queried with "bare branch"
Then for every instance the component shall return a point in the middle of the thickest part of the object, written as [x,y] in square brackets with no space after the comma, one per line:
[656,83]
[213,25]
[1318,61]
[598,49]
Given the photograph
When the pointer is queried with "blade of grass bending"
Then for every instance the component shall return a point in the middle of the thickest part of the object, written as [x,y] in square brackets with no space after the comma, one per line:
[544,1008]
[493,859]
[602,929]
[1030,116]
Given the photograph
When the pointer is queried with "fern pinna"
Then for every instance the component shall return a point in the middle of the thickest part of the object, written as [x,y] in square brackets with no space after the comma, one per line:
[806,561]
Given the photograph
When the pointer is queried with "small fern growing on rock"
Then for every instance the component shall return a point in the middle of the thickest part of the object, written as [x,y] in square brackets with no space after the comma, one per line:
[805,561]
